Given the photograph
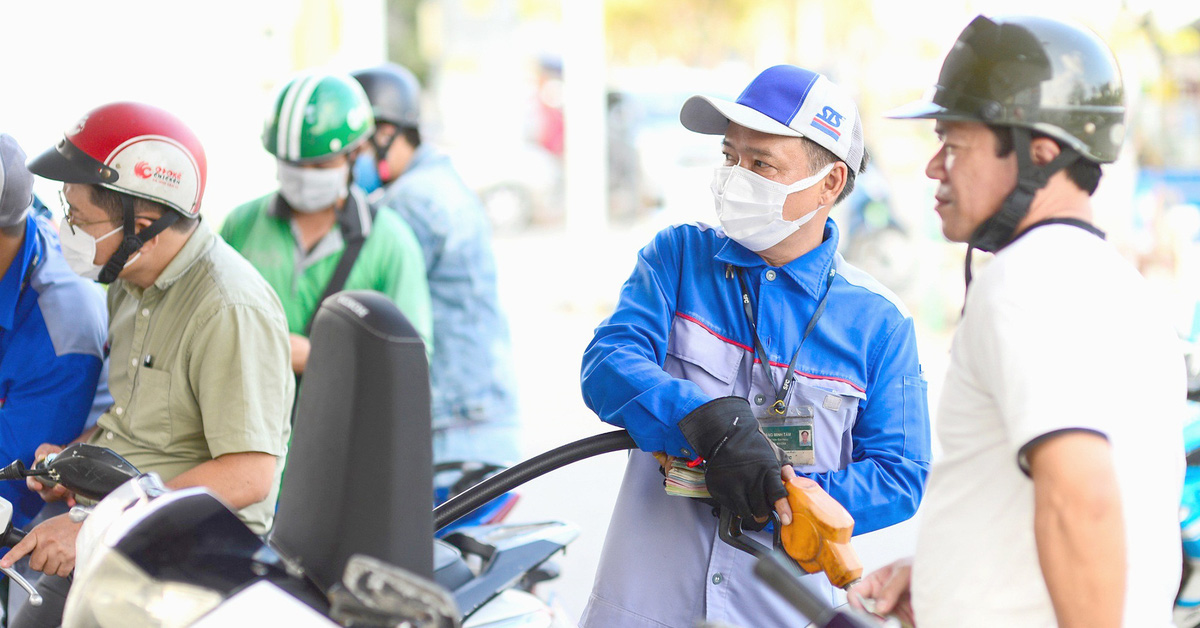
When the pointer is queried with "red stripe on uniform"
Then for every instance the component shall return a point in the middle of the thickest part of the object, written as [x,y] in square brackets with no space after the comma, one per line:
[757,361]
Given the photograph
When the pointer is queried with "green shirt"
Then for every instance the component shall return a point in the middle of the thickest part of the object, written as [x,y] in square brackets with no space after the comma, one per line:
[200,366]
[389,262]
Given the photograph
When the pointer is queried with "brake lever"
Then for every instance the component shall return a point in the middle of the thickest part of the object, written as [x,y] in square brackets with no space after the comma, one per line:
[35,598]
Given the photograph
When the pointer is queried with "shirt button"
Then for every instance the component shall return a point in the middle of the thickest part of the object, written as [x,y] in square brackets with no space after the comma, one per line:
[110,436]
[119,410]
[759,399]
[145,311]
[686,452]
[717,578]
[770,275]
[133,362]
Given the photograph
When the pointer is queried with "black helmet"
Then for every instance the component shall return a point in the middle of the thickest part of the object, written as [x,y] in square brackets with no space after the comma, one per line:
[1033,75]
[1049,76]
[394,93]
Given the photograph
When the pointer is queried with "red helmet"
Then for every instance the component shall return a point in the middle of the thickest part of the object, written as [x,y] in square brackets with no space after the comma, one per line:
[132,148]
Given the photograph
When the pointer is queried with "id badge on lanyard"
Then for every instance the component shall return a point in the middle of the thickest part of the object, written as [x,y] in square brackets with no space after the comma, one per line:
[793,433]
[789,428]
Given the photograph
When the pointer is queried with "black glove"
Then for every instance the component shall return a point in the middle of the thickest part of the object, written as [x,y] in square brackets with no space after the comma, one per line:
[743,466]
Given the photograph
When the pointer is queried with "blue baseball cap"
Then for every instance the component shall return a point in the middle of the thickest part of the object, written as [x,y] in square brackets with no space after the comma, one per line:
[790,101]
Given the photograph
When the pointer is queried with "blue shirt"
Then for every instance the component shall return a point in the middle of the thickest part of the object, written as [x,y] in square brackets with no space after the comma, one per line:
[52,331]
[678,338]
[471,374]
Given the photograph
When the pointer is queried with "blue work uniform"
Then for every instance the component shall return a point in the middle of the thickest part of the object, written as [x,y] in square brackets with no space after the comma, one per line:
[52,331]
[471,374]
[680,337]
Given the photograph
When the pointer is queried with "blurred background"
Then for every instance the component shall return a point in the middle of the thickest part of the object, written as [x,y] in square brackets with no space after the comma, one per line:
[563,116]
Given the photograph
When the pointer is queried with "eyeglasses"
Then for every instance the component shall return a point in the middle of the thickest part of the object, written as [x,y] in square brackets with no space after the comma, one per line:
[71,222]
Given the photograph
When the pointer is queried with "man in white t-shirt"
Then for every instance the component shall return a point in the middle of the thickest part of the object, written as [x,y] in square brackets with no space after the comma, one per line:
[1056,500]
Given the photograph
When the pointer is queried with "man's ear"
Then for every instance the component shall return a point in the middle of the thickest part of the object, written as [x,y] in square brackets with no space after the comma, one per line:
[1043,150]
[834,183]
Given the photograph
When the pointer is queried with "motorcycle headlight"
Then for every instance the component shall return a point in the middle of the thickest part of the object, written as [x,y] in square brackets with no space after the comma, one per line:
[114,592]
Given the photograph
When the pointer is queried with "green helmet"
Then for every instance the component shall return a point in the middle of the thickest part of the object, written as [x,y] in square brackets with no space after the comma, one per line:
[1038,73]
[316,116]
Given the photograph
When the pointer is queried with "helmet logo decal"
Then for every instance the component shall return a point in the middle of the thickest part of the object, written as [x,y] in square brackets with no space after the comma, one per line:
[828,122]
[158,174]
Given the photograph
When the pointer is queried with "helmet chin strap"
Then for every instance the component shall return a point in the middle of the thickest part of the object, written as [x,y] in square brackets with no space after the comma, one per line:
[381,151]
[131,241]
[997,231]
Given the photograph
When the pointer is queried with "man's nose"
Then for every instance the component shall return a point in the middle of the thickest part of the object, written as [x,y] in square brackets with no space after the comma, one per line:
[936,168]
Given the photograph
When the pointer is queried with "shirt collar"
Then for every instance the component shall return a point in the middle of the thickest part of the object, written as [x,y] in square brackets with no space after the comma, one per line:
[423,153]
[810,270]
[197,245]
[14,278]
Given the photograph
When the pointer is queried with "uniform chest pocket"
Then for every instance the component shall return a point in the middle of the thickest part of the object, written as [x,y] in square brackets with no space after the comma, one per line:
[149,413]
[695,354]
[834,414]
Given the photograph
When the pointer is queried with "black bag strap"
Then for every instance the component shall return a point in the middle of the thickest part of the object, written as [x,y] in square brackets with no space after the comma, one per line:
[338,280]
[354,244]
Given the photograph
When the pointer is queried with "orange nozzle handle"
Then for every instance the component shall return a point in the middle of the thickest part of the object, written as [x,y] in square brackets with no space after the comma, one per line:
[818,538]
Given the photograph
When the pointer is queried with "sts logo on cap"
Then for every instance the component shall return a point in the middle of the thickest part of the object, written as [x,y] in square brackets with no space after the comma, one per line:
[828,122]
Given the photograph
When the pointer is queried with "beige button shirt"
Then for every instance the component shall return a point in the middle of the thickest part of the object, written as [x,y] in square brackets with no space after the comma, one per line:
[200,366]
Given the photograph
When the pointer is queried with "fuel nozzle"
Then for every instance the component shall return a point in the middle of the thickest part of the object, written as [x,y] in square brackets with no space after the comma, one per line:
[818,538]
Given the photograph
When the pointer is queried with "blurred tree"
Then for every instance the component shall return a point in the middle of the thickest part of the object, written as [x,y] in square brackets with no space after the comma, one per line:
[705,33]
[317,34]
[403,39]
[695,32]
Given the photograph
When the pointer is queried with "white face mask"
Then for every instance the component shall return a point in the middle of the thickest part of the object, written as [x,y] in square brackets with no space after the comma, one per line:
[79,250]
[310,190]
[750,206]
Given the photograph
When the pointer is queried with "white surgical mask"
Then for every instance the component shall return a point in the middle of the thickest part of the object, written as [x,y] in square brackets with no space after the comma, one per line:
[750,206]
[310,190]
[79,250]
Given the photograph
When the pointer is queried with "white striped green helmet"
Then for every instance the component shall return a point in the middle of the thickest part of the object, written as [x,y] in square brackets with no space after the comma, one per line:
[316,116]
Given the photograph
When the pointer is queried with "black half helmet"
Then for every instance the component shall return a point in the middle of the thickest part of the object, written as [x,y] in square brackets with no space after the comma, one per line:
[394,92]
[1046,75]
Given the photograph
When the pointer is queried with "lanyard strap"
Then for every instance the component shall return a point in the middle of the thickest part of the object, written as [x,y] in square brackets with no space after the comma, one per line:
[781,392]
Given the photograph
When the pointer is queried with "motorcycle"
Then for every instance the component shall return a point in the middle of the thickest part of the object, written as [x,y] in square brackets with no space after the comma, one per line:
[348,546]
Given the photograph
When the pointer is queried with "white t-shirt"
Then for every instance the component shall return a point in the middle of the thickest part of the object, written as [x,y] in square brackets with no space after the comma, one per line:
[1059,332]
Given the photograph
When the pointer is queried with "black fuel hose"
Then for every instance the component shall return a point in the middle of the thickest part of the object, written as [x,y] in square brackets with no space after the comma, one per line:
[491,488]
